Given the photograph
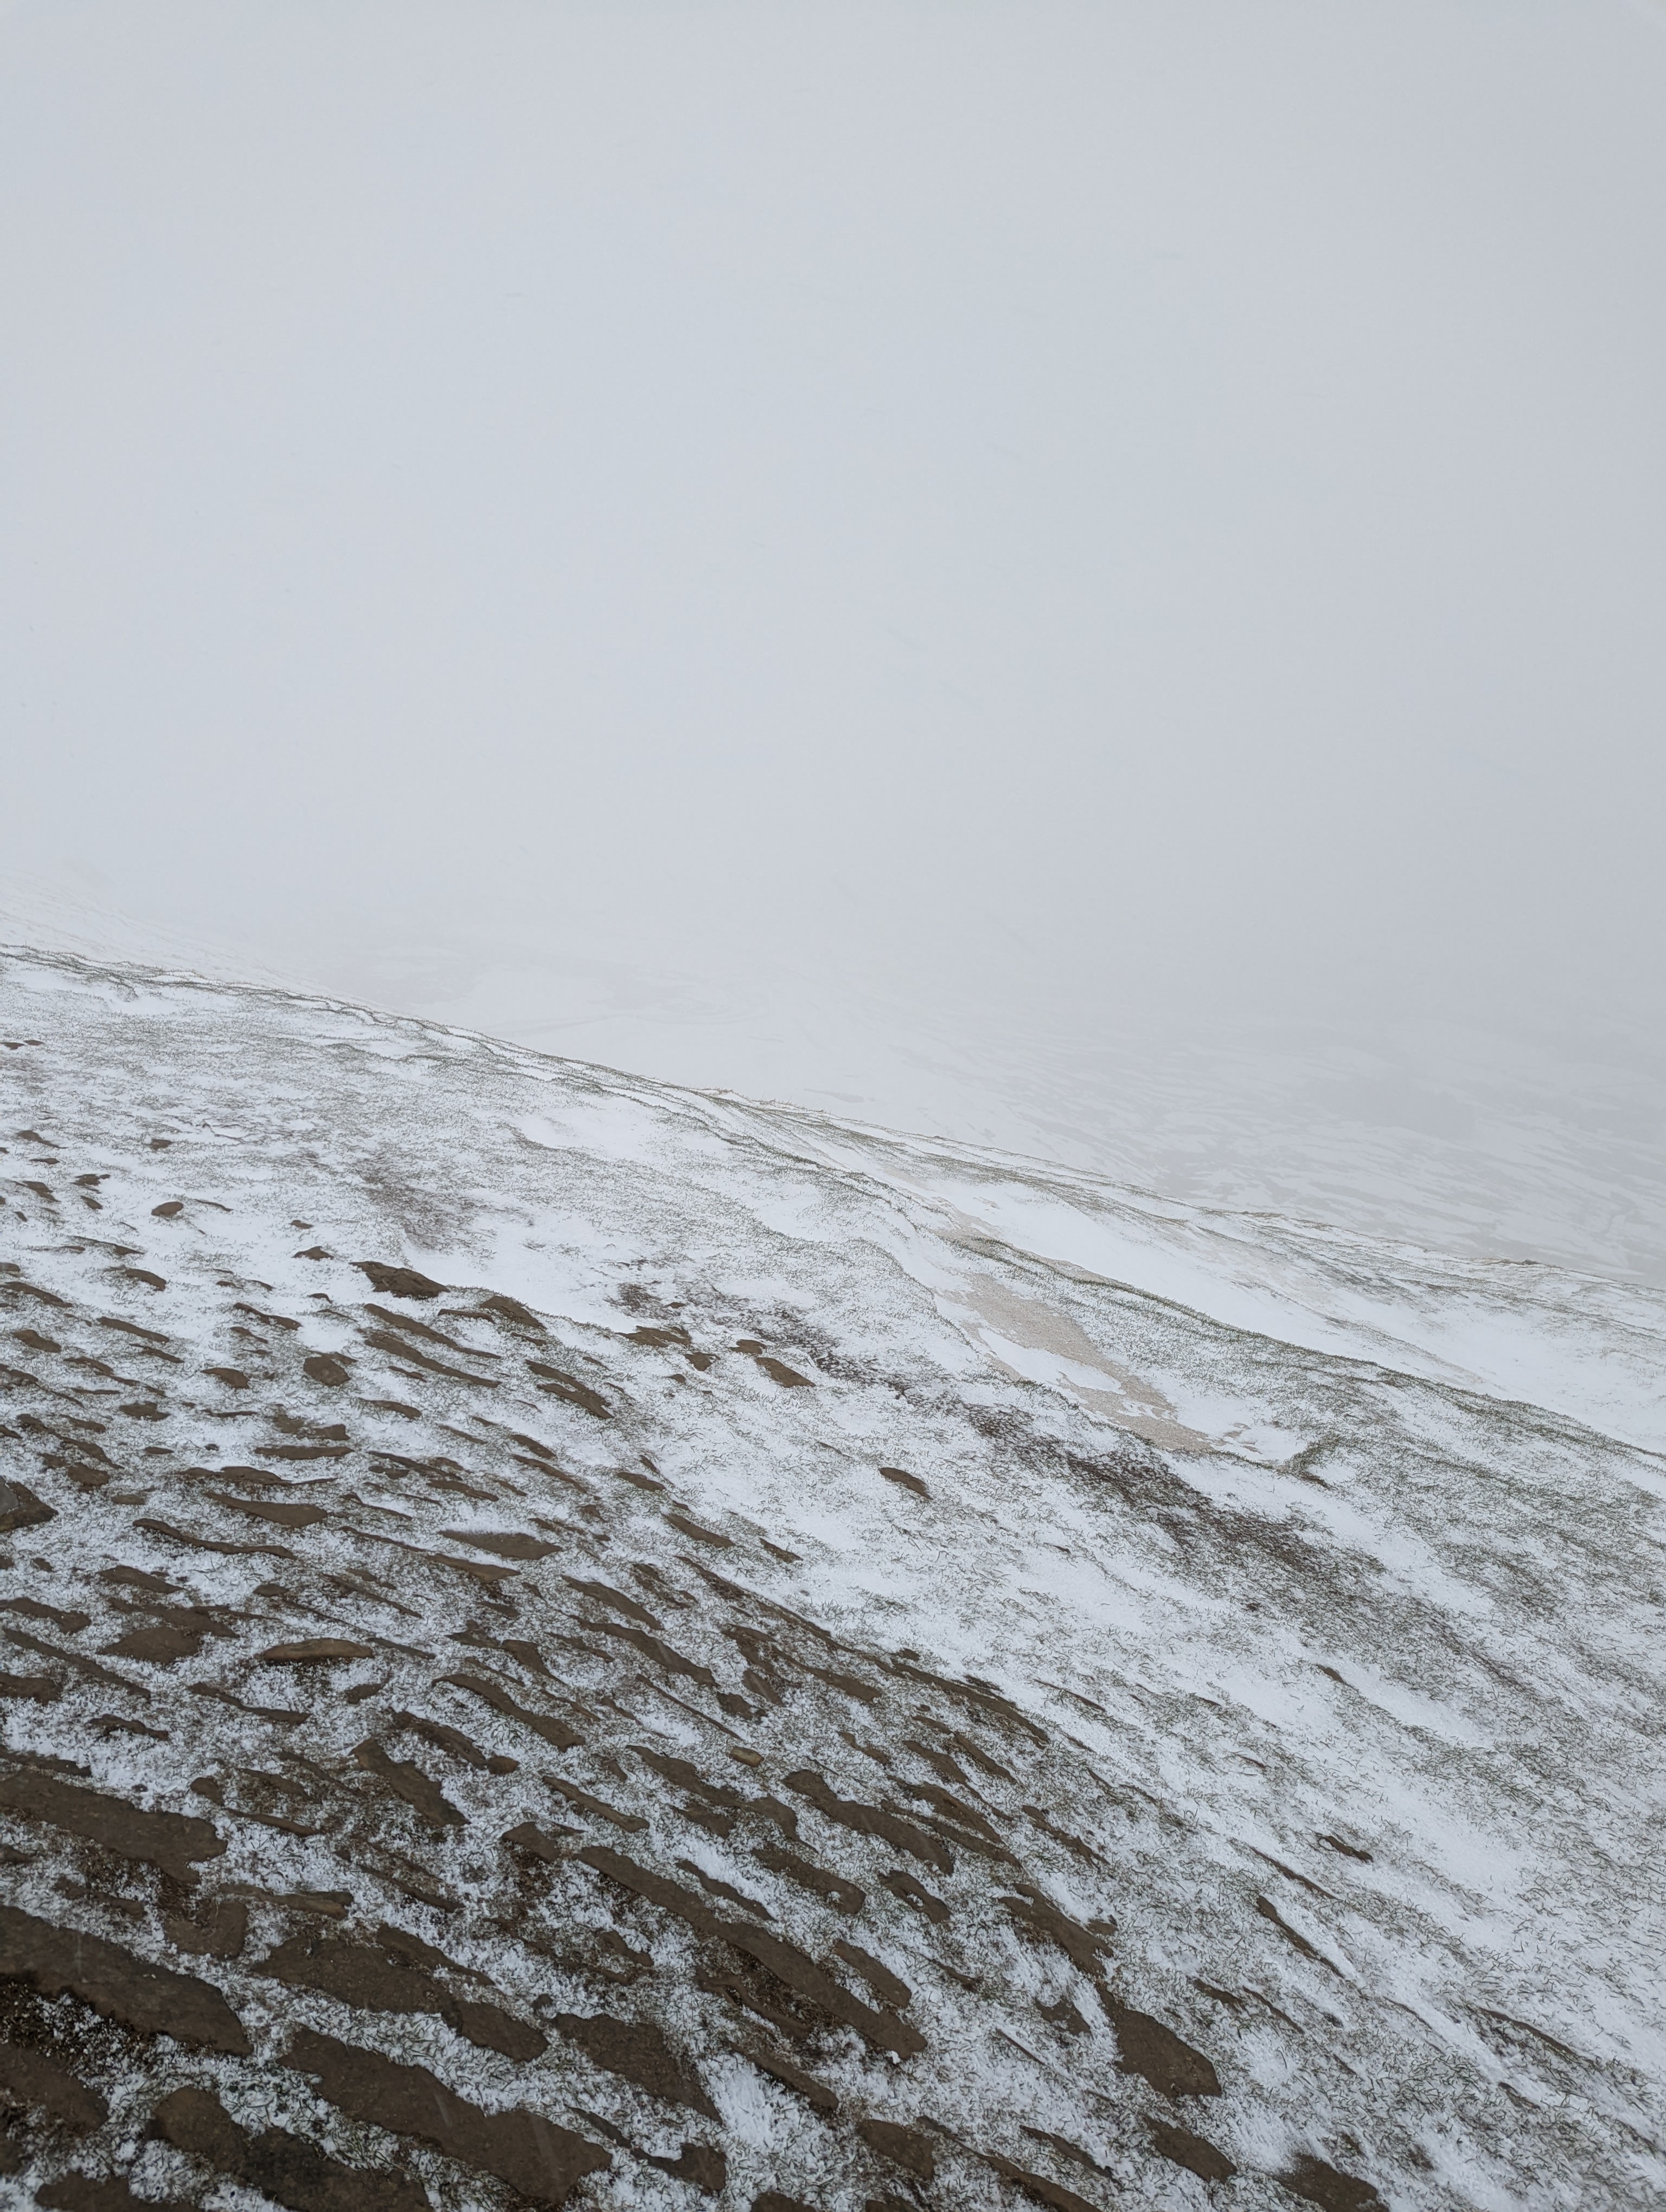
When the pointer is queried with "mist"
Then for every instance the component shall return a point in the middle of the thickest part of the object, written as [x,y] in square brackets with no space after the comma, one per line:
[1088,577]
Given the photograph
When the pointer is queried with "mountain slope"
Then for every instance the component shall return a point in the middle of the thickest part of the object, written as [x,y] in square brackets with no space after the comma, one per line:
[570,1638]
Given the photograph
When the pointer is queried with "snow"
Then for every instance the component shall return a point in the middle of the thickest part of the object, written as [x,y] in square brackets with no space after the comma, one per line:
[1280,1531]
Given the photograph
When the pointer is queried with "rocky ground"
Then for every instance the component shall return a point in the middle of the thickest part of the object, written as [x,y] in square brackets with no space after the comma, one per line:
[569,1641]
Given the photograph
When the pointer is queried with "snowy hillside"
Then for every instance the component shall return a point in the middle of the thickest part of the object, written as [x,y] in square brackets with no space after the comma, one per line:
[568,1640]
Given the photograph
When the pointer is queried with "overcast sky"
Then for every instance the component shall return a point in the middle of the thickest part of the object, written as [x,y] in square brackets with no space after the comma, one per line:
[1147,505]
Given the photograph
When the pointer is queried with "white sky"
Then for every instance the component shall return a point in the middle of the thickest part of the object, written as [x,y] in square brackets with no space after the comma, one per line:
[738,537]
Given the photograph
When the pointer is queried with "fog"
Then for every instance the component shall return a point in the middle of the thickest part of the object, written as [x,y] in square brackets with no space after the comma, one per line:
[1087,577]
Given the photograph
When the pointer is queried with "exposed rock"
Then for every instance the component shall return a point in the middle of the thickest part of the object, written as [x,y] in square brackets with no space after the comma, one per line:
[176,1842]
[558,1384]
[905,1481]
[790,1965]
[638,2050]
[585,1802]
[1195,2153]
[285,2168]
[36,1689]
[1147,2047]
[1120,1763]
[398,1282]
[508,1544]
[385,1976]
[543,2161]
[661,1654]
[218,1932]
[29,2078]
[889,1988]
[843,1896]
[314,1650]
[1332,2190]
[870,1819]
[816,2093]
[707,2169]
[444,1737]
[20,1508]
[407,1780]
[1051,2193]
[1084,1946]
[116,1983]
[81,2192]
[904,2146]
[493,1693]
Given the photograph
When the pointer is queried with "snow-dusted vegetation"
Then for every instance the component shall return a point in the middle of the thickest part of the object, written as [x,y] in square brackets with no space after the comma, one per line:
[568,1640]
